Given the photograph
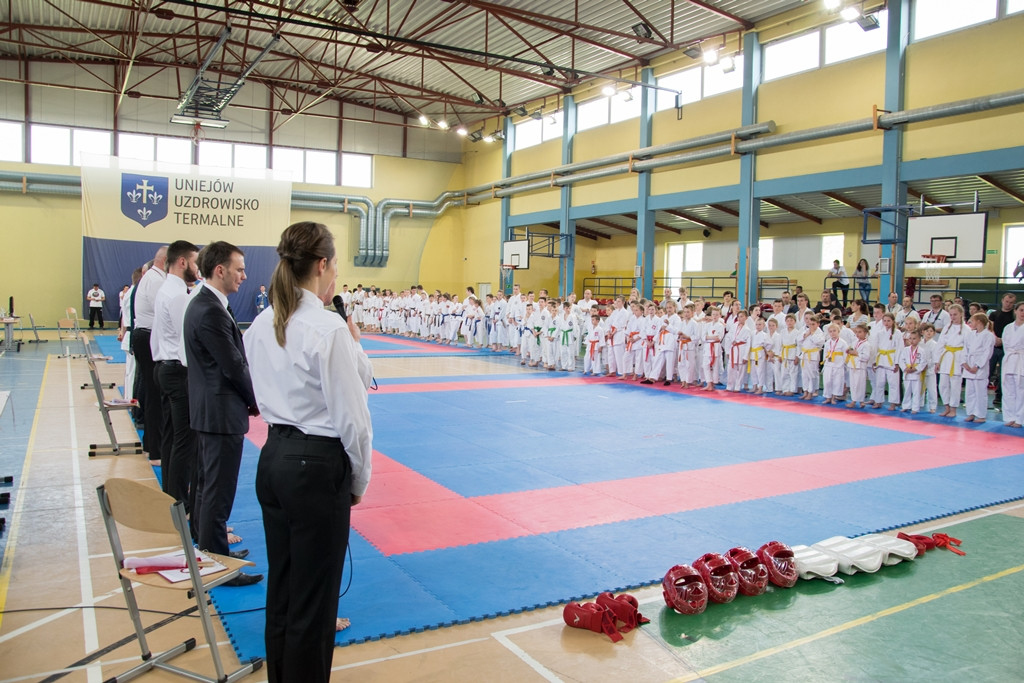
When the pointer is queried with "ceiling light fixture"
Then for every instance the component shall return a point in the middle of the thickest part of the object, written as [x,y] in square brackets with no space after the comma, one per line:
[538,115]
[488,138]
[608,90]
[642,30]
[693,52]
[727,63]
[424,120]
[625,95]
[461,131]
[204,122]
[520,110]
[476,135]
[552,120]
[442,124]
[850,13]
[711,55]
[868,22]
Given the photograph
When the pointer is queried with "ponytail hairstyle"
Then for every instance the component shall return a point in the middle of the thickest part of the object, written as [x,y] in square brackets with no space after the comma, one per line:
[302,246]
[983,320]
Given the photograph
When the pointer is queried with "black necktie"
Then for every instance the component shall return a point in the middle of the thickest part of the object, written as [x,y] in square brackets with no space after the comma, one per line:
[230,312]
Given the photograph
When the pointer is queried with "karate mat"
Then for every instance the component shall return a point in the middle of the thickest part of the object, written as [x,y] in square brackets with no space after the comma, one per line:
[496,496]
[388,346]
[108,345]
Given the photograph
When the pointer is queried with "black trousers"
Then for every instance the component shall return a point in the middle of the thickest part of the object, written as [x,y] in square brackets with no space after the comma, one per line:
[304,486]
[846,292]
[220,456]
[179,449]
[95,314]
[995,375]
[148,393]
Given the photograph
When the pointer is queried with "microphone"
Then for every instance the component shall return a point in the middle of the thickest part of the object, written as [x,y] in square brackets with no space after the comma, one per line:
[339,305]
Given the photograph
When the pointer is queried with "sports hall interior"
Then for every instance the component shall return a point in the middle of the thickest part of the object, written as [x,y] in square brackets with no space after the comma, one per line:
[782,147]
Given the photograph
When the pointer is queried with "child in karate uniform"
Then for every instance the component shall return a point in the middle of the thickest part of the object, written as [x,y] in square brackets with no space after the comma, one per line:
[774,351]
[633,357]
[737,348]
[835,365]
[529,338]
[760,371]
[649,326]
[549,343]
[950,364]
[914,363]
[978,348]
[616,337]
[887,342]
[566,341]
[666,344]
[593,343]
[711,353]
[811,343]
[789,355]
[689,352]
[858,359]
[1012,369]
[929,385]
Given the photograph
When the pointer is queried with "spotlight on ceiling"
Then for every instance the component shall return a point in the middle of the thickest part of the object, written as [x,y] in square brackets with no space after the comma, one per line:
[727,63]
[442,124]
[538,114]
[693,52]
[478,98]
[868,22]
[850,13]
[424,120]
[498,135]
[488,138]
[642,30]
[476,135]
[711,55]
[608,90]
[625,95]
[461,131]
[547,71]
[520,110]
[552,120]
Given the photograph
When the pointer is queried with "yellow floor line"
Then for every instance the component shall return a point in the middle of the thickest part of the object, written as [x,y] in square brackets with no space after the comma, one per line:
[768,652]
[19,503]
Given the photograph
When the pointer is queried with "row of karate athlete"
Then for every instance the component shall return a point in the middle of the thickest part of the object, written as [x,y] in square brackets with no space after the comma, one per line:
[652,344]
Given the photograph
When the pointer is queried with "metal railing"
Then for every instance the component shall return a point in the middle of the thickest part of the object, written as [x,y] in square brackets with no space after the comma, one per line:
[711,287]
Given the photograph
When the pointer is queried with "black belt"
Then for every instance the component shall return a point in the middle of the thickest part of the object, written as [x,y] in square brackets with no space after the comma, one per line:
[294,433]
[168,362]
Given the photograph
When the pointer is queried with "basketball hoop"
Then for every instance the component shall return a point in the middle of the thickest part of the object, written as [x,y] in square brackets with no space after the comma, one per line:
[198,134]
[933,265]
[507,271]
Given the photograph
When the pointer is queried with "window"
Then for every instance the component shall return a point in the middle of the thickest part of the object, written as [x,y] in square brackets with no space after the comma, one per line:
[1014,6]
[688,82]
[831,250]
[848,40]
[529,133]
[552,127]
[625,104]
[288,164]
[50,145]
[356,170]
[321,167]
[177,151]
[11,147]
[214,155]
[932,17]
[89,142]
[1013,249]
[694,261]
[788,57]
[717,81]
[250,161]
[765,253]
[684,258]
[131,146]
[592,114]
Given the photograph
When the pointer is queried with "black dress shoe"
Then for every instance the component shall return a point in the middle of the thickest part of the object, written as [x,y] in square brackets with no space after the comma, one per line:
[239,554]
[244,580]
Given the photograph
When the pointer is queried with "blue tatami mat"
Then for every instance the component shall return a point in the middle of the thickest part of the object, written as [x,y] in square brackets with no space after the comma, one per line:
[109,346]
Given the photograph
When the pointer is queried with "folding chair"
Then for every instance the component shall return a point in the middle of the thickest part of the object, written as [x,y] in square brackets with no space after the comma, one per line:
[131,504]
[35,332]
[106,406]
[67,327]
[95,356]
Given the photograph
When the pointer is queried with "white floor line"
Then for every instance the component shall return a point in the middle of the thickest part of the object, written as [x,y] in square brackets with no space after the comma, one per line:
[57,615]
[105,662]
[526,658]
[403,655]
[941,524]
[90,631]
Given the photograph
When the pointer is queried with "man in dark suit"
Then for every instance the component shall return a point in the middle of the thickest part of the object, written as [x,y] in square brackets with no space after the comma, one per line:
[220,398]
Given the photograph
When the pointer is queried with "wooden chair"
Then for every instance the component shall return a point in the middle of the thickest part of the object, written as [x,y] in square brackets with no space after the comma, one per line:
[106,406]
[68,327]
[143,508]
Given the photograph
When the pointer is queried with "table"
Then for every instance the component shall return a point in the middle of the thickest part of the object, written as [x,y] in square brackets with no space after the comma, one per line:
[9,331]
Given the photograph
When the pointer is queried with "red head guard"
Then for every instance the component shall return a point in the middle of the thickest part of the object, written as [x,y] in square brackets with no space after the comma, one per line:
[750,569]
[591,616]
[778,559]
[684,590]
[625,608]
[721,579]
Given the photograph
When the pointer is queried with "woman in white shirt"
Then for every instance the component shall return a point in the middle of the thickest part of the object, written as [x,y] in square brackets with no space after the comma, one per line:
[311,389]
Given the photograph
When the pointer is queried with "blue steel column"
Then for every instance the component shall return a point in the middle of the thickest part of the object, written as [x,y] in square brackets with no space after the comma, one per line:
[750,206]
[894,190]
[566,225]
[507,146]
[644,215]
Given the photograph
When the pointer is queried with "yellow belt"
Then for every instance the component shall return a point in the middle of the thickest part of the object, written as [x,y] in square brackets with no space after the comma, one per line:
[755,357]
[809,352]
[785,351]
[889,353]
[832,355]
[952,361]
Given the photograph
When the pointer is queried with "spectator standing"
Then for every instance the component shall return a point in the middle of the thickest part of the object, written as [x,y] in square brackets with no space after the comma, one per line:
[96,297]
[1000,319]
[862,278]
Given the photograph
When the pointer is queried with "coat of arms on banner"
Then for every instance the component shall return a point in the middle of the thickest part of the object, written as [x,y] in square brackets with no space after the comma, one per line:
[143,198]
